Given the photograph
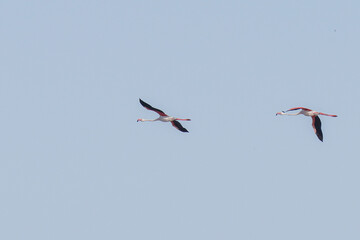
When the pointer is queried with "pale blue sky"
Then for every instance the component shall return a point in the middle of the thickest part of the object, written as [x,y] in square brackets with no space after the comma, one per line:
[75,164]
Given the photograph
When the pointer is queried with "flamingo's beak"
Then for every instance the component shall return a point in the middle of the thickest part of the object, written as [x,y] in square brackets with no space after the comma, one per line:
[138,120]
[280,113]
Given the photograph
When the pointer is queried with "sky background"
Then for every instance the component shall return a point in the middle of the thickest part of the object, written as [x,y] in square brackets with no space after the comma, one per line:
[75,164]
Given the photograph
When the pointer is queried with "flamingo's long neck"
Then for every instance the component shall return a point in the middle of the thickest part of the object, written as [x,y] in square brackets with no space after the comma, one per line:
[147,120]
[289,114]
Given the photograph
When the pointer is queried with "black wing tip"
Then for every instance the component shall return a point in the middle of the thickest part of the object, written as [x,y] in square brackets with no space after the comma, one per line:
[320,136]
[178,126]
[317,125]
[144,104]
[182,129]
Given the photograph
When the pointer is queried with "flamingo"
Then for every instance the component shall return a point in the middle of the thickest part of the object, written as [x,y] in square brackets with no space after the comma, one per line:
[316,123]
[163,117]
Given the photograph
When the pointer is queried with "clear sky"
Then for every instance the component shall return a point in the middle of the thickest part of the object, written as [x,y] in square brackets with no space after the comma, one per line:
[75,164]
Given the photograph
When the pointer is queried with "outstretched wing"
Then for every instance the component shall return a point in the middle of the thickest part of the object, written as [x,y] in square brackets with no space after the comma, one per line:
[177,125]
[316,123]
[297,108]
[148,107]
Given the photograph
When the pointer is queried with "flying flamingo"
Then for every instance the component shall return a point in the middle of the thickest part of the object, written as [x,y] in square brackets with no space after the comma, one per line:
[163,117]
[316,123]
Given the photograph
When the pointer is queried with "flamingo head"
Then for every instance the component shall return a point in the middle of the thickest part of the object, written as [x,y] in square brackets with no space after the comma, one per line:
[280,113]
[139,120]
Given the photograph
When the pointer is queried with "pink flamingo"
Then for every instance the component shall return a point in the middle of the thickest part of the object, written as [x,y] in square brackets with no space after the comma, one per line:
[163,117]
[316,123]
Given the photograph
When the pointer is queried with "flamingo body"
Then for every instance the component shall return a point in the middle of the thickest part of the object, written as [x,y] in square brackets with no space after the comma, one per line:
[316,123]
[163,117]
